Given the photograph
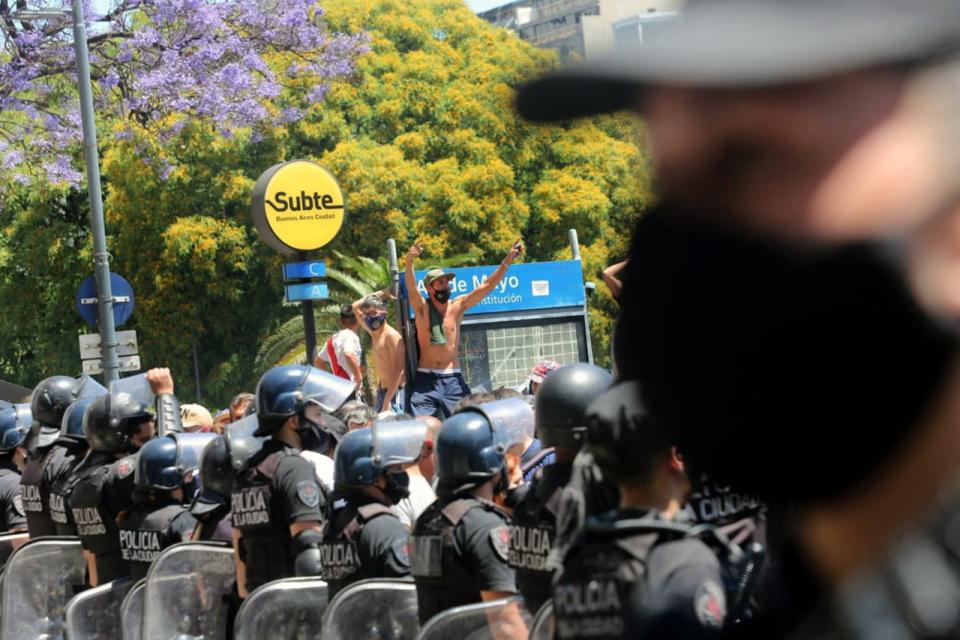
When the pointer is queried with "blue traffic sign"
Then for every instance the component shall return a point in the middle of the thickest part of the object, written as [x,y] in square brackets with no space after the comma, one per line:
[122,300]
[304,270]
[309,291]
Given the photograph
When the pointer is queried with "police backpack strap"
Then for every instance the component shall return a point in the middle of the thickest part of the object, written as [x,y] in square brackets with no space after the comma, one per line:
[365,514]
[535,460]
[268,467]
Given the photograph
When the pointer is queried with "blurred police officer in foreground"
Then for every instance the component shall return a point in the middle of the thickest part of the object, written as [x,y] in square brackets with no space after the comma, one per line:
[48,403]
[764,296]
[164,478]
[366,539]
[115,426]
[461,543]
[211,507]
[15,423]
[561,405]
[637,546]
[278,505]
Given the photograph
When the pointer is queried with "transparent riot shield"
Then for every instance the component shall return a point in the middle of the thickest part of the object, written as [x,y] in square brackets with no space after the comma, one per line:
[186,592]
[10,542]
[292,609]
[506,618]
[39,580]
[542,626]
[95,613]
[350,614]
[131,611]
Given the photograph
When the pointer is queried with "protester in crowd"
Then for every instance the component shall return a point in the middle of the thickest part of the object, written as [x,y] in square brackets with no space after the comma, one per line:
[797,168]
[239,405]
[439,384]
[195,418]
[342,354]
[420,493]
[472,400]
[537,375]
[359,417]
[389,353]
[611,278]
[428,461]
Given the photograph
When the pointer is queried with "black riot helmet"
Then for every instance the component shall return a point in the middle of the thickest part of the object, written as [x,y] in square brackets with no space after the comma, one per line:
[164,463]
[283,392]
[49,402]
[15,423]
[111,420]
[622,436]
[216,477]
[241,443]
[71,429]
[562,400]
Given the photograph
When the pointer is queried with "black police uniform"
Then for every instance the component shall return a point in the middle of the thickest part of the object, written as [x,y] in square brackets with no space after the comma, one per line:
[148,529]
[214,525]
[533,533]
[678,578]
[279,488]
[365,539]
[587,494]
[35,492]
[63,478]
[11,505]
[460,548]
[103,491]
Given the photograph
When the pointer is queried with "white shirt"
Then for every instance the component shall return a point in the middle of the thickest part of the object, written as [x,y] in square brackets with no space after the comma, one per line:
[344,341]
[421,497]
[323,465]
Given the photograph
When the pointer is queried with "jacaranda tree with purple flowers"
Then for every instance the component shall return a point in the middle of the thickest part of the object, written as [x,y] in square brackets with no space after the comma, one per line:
[160,65]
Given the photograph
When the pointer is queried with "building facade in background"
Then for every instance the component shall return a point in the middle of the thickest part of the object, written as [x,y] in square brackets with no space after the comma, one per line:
[583,28]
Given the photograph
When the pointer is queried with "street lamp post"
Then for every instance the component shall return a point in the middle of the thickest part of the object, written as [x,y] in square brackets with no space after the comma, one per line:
[101,259]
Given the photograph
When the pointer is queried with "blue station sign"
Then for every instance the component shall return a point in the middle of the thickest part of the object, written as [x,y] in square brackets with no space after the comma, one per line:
[526,287]
[304,270]
[308,291]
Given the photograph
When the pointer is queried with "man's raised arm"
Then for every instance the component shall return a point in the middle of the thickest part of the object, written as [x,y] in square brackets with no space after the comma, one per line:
[474,297]
[413,294]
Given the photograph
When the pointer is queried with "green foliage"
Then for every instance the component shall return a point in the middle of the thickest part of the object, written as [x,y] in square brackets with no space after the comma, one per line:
[425,143]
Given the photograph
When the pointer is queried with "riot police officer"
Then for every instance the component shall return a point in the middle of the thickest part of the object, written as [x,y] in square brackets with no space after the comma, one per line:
[162,481]
[366,538]
[71,437]
[638,548]
[560,405]
[211,507]
[115,427]
[460,544]
[47,460]
[278,504]
[14,428]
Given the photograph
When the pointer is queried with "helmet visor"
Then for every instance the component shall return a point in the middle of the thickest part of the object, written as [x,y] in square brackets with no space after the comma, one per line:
[325,390]
[136,387]
[512,420]
[398,442]
[89,388]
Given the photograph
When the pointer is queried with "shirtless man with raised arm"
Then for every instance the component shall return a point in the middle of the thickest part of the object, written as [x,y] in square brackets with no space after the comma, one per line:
[438,384]
[388,349]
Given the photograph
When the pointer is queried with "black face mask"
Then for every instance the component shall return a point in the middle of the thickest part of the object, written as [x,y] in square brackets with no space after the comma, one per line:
[311,437]
[398,486]
[441,296]
[786,370]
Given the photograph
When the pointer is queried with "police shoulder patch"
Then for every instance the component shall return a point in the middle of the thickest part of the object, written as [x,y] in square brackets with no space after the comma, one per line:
[309,493]
[18,506]
[500,541]
[125,467]
[710,604]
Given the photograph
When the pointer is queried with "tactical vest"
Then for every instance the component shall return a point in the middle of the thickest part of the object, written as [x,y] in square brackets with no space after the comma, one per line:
[591,598]
[145,533]
[443,576]
[96,525]
[215,525]
[339,555]
[532,535]
[59,502]
[259,517]
[36,498]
